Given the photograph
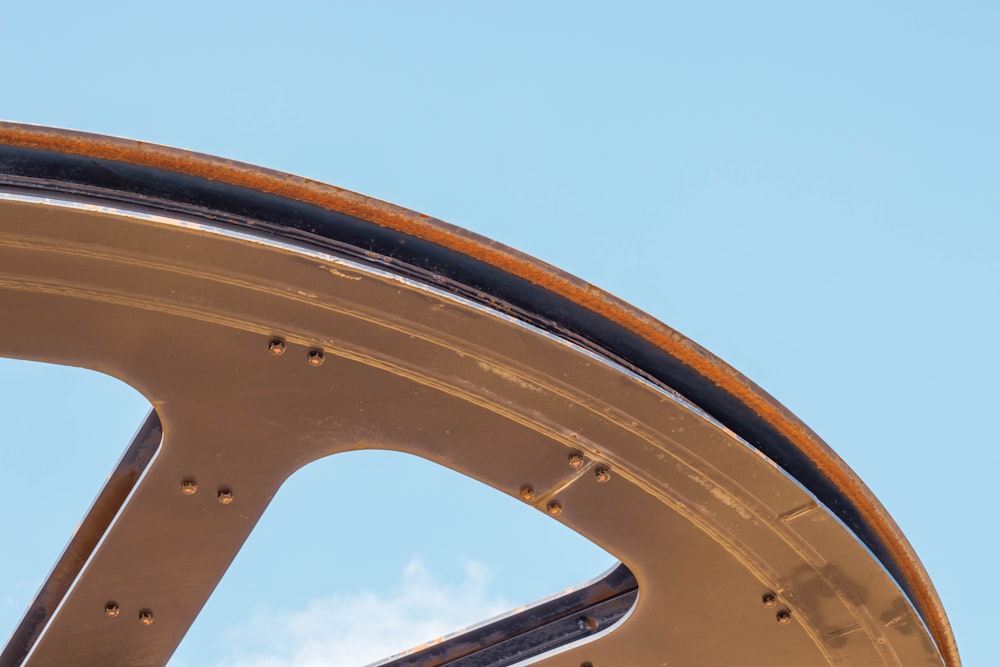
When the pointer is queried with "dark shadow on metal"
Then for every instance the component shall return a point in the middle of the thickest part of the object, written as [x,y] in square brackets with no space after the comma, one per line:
[545,626]
[111,498]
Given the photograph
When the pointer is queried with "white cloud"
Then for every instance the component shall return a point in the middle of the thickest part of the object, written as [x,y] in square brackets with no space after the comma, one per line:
[360,628]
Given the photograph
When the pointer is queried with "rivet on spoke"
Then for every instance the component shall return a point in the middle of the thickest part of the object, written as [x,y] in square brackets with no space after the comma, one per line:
[189,487]
[225,496]
[784,617]
[554,508]
[111,610]
[146,617]
[277,347]
[315,358]
[527,493]
[576,460]
[602,474]
[769,599]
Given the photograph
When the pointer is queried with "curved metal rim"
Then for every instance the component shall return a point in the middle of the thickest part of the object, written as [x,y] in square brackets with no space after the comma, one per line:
[733,394]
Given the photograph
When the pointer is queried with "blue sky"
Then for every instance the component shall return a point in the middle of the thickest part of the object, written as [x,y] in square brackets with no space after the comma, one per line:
[808,191]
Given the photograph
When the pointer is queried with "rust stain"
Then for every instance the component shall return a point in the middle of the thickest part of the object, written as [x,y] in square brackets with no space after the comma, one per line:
[523,266]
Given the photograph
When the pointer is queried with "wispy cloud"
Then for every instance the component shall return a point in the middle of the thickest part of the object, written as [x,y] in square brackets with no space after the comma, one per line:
[363,627]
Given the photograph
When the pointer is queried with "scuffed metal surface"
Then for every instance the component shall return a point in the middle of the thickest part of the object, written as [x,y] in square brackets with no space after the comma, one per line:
[715,372]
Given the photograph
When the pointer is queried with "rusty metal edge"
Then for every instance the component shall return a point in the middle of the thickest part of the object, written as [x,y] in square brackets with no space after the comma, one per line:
[523,266]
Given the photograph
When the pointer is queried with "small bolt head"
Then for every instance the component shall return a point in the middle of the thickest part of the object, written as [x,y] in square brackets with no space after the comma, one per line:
[576,461]
[277,347]
[784,617]
[602,475]
[769,599]
[225,496]
[189,487]
[111,610]
[527,493]
[146,617]
[315,358]
[554,508]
